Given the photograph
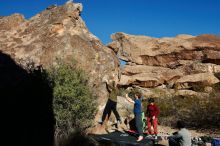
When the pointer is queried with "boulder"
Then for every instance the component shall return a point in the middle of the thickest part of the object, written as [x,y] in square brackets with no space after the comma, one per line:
[200,79]
[178,62]
[149,76]
[59,33]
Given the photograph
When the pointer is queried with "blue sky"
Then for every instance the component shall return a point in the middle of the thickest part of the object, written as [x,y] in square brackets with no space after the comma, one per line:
[156,18]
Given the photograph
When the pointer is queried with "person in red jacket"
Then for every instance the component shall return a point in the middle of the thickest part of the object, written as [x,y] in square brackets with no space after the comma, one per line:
[152,117]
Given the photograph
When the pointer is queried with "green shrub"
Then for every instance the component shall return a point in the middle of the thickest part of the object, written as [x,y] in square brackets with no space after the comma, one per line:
[199,112]
[73,103]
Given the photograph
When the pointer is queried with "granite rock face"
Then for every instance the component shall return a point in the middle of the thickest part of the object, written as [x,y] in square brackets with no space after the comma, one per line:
[172,63]
[58,33]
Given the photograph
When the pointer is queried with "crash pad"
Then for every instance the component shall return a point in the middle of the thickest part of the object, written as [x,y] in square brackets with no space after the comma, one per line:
[119,138]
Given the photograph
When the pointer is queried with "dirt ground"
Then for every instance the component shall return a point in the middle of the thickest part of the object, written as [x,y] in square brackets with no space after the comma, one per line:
[165,130]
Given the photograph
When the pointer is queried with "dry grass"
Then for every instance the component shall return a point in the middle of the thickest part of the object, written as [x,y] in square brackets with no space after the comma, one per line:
[197,112]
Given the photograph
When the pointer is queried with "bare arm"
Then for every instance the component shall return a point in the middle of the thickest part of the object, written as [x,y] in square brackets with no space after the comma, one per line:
[129,99]
[110,86]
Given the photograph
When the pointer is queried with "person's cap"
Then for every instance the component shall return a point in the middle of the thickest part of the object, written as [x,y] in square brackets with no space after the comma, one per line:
[150,100]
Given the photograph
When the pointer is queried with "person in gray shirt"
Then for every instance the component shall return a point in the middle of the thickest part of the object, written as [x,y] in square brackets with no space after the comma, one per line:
[181,137]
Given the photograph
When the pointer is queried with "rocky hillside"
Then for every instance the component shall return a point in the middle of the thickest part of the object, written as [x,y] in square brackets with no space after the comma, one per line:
[58,33]
[184,65]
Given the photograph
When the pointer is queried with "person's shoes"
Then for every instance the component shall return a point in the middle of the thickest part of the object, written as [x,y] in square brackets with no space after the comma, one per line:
[119,122]
[149,136]
[100,122]
[140,138]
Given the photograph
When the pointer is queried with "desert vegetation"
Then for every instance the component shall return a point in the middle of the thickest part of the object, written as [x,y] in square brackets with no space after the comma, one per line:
[73,101]
[197,112]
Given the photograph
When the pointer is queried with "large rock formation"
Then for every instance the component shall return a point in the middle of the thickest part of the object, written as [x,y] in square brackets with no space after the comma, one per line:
[178,63]
[58,33]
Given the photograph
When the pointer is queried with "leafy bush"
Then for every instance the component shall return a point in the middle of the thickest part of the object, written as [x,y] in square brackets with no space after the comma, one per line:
[74,104]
